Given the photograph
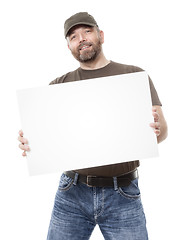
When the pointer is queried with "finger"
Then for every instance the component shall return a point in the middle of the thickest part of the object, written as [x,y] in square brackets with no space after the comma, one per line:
[157,132]
[24,154]
[155,125]
[21,133]
[24,147]
[156,116]
[23,140]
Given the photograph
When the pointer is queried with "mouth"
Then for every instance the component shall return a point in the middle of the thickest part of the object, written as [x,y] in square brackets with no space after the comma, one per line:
[84,47]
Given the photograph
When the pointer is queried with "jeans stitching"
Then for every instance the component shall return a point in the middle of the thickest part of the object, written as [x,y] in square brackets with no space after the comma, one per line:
[102,206]
[122,193]
[129,196]
[69,185]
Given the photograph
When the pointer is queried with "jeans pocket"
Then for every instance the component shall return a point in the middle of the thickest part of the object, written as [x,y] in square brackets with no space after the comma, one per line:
[65,183]
[132,191]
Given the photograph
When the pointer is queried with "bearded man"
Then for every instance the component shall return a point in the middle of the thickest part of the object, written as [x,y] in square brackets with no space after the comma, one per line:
[107,195]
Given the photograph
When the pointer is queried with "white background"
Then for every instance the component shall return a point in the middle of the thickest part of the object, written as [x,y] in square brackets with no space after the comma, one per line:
[33,52]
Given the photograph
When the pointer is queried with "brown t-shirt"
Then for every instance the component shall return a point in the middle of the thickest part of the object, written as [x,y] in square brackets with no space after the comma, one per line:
[111,69]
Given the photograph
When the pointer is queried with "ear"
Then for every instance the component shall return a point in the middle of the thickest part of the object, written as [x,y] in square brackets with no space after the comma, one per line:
[101,36]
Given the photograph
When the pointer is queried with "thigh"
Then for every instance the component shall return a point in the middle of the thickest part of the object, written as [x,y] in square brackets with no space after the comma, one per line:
[68,221]
[123,217]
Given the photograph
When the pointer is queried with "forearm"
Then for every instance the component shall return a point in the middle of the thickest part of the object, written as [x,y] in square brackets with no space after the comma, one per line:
[163,132]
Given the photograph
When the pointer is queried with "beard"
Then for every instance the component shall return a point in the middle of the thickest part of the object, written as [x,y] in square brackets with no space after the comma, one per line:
[89,54]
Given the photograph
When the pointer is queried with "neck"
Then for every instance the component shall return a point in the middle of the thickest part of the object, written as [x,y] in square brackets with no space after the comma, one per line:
[99,62]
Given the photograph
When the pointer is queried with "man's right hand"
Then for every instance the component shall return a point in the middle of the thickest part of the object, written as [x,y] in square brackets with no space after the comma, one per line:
[23,143]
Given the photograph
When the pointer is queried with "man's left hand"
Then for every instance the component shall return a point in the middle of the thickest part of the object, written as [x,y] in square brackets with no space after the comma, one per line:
[156,124]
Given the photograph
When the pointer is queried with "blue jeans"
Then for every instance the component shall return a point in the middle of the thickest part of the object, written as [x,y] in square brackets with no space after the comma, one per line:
[78,208]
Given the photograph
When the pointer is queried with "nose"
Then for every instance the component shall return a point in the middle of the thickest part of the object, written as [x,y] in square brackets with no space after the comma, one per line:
[82,38]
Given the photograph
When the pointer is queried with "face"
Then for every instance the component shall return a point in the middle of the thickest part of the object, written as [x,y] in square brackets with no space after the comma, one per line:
[85,43]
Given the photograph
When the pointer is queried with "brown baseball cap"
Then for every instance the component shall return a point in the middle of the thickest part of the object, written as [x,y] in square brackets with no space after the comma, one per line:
[79,18]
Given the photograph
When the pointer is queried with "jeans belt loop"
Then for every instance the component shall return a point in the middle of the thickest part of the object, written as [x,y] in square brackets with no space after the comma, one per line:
[115,183]
[75,179]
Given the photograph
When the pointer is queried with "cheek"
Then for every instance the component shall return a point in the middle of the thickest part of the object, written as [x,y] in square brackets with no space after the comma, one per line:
[72,47]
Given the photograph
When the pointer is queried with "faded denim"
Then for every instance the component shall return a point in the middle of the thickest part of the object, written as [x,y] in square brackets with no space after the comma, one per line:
[78,208]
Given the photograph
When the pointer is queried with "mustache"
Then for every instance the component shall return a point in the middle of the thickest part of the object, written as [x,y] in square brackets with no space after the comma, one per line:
[84,44]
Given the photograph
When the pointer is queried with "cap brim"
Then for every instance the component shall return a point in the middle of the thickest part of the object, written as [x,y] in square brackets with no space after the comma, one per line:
[79,23]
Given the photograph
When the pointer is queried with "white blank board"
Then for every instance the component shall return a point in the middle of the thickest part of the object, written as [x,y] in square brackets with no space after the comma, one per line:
[88,123]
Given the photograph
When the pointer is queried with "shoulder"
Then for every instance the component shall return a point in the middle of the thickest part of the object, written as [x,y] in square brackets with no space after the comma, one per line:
[125,68]
[64,78]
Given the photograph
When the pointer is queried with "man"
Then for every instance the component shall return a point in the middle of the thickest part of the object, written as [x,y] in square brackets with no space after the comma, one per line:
[108,195]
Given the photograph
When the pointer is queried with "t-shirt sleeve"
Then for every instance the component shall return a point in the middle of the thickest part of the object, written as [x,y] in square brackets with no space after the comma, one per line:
[64,78]
[57,81]
[154,95]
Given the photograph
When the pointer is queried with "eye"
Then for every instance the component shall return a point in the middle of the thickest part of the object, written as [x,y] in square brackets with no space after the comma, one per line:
[88,31]
[72,37]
